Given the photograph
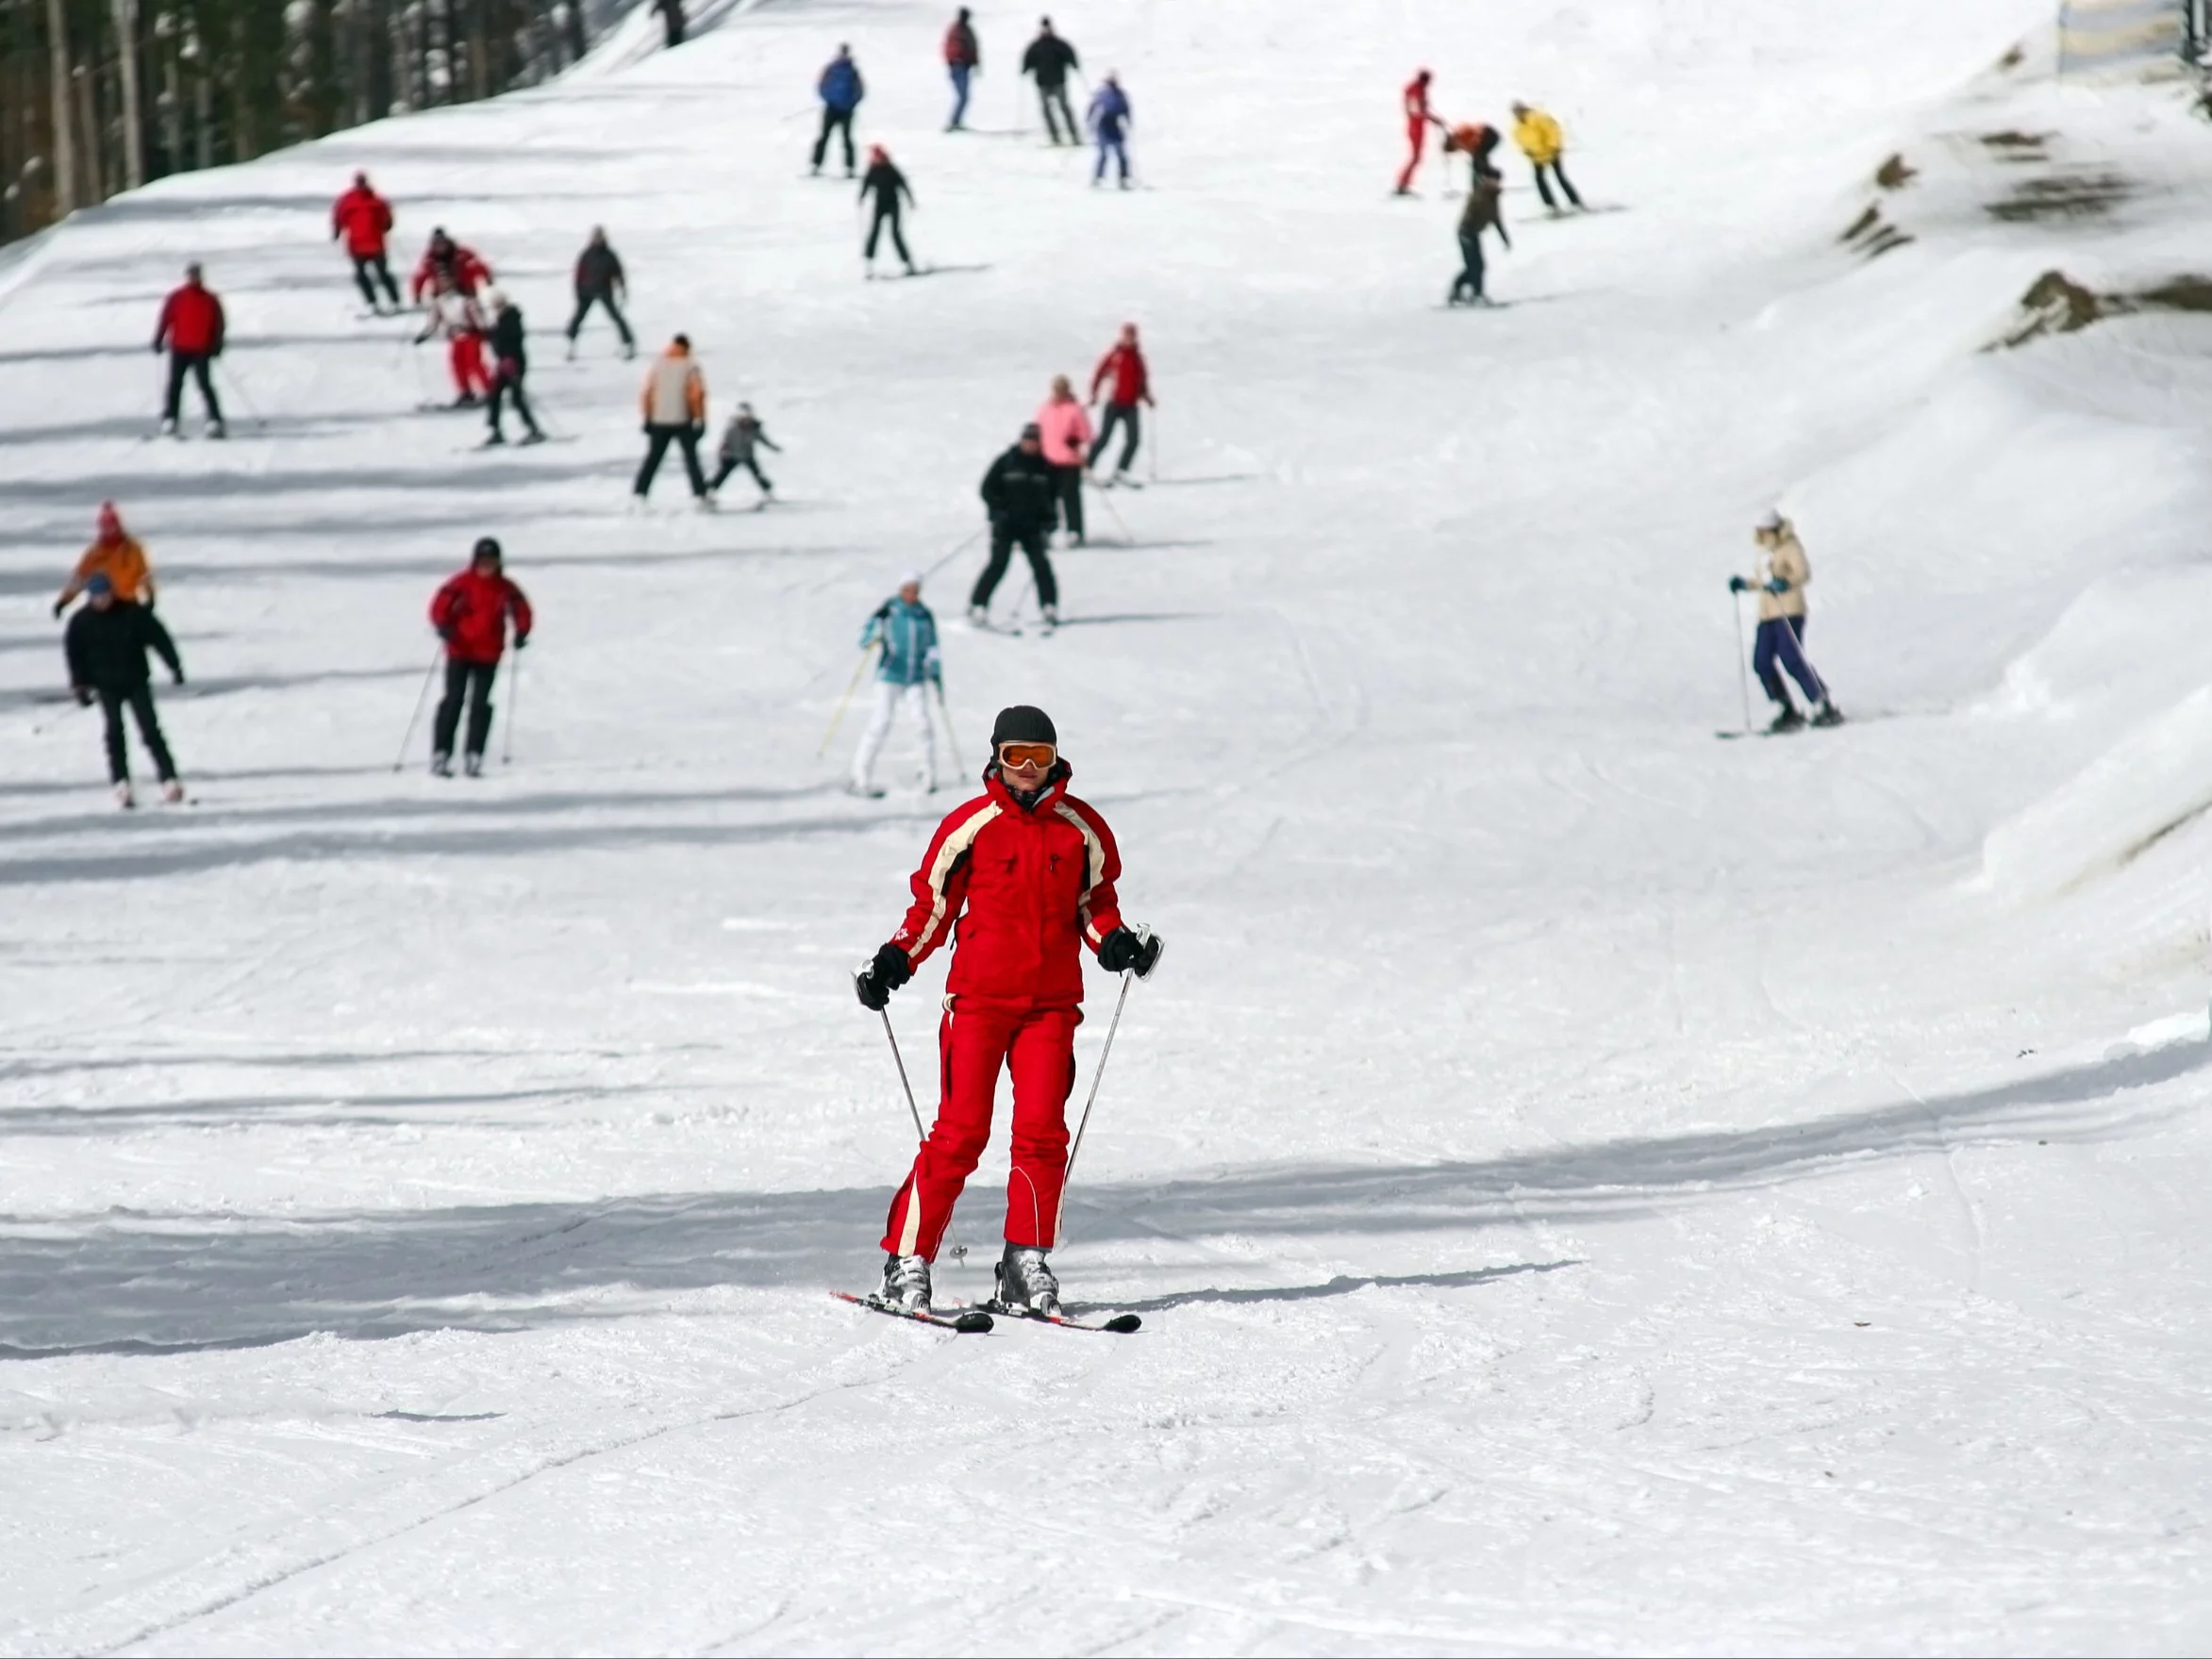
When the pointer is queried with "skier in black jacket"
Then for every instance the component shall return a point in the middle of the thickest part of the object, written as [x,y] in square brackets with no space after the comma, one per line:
[107,642]
[886,184]
[1022,492]
[1050,59]
[509,366]
[600,282]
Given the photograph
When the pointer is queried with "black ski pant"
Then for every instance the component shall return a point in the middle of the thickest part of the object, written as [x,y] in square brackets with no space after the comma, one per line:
[139,698]
[1067,481]
[1118,415]
[1558,170]
[585,301]
[1468,284]
[658,438]
[729,466]
[366,265]
[471,681]
[195,364]
[839,121]
[508,389]
[888,215]
[1005,537]
[1056,95]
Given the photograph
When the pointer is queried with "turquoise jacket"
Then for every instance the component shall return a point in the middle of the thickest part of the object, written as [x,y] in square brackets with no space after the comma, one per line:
[908,635]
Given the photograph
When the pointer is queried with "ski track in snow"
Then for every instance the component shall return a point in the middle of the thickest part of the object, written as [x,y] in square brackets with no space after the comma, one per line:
[1588,1187]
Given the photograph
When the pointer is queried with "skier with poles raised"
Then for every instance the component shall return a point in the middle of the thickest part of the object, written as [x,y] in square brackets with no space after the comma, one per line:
[963,60]
[840,90]
[1027,873]
[1128,382]
[1021,492]
[1110,120]
[1049,58]
[1780,580]
[190,329]
[362,217]
[599,281]
[907,670]
[471,614]
[886,184]
[107,643]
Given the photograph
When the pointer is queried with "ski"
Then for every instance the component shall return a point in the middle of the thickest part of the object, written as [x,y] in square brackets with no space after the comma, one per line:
[968,1321]
[1120,1324]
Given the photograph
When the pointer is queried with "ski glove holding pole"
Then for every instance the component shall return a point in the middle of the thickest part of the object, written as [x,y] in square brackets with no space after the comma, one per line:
[1126,951]
[874,982]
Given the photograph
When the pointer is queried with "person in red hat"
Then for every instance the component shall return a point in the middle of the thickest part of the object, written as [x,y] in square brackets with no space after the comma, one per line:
[1419,119]
[190,329]
[1021,878]
[115,556]
[362,217]
[886,184]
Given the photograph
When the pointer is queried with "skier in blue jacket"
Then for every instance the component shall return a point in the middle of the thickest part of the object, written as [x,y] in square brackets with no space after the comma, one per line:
[909,665]
[840,90]
[1110,124]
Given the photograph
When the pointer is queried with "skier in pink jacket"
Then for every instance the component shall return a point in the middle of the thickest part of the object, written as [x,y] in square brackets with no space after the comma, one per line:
[1066,430]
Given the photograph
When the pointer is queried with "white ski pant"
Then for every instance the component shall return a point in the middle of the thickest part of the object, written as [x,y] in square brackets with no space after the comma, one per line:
[889,695]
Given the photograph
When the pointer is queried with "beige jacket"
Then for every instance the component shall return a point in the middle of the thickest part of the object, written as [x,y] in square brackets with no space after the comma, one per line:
[1782,554]
[674,393]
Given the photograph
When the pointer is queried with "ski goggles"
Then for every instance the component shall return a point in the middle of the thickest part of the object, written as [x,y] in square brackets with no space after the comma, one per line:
[1027,754]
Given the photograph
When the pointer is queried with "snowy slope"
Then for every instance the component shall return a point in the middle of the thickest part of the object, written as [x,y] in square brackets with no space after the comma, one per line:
[1589,1187]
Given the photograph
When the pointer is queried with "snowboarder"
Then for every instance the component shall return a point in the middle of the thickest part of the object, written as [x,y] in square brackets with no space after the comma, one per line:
[455,315]
[107,643]
[510,364]
[840,90]
[600,282]
[963,59]
[1049,58]
[904,672]
[1477,141]
[886,184]
[1780,580]
[1131,386]
[190,328]
[1033,869]
[471,614]
[1110,120]
[447,264]
[1541,139]
[1067,435]
[740,439]
[674,404]
[1419,119]
[1020,491]
[113,554]
[1481,214]
[362,217]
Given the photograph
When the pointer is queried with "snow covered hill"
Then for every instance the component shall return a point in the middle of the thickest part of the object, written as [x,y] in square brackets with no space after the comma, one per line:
[1588,1185]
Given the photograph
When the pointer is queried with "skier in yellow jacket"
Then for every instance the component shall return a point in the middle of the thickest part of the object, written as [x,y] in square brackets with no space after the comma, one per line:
[1545,145]
[1780,580]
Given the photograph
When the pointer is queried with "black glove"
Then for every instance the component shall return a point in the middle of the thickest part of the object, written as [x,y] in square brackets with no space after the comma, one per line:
[1126,949]
[178,677]
[446,635]
[84,696]
[874,982]
[1737,585]
[520,640]
[59,606]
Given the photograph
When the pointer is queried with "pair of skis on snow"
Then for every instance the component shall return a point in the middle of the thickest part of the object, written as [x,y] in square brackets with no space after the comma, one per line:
[971,1321]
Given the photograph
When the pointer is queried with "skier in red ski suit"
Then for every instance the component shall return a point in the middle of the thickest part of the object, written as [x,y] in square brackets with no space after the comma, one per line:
[1419,119]
[1027,873]
[362,217]
[471,614]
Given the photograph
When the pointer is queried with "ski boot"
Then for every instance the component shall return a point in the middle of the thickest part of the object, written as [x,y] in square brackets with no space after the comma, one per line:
[1787,720]
[494,437]
[906,1283]
[1052,616]
[442,765]
[1025,1282]
[978,617]
[124,797]
[217,429]
[169,428]
[533,435]
[1828,713]
[473,764]
[863,788]
[173,792]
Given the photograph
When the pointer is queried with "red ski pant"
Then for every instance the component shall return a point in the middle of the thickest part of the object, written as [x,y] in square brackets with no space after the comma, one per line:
[1036,1045]
[1416,134]
[466,358]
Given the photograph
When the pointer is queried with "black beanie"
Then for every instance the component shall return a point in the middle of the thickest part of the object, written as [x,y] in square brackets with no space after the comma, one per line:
[1023,724]
[485,548]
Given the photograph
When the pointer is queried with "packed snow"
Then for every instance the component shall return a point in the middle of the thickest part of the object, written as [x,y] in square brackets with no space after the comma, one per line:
[1588,1185]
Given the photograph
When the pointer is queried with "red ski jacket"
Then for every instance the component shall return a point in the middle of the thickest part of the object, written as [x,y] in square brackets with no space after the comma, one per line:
[1037,884]
[362,217]
[1126,363]
[960,46]
[470,612]
[469,271]
[192,322]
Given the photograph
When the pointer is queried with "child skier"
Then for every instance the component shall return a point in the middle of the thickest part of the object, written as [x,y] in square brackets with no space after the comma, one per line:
[1780,580]
[1110,119]
[471,615]
[115,556]
[454,314]
[740,439]
[107,643]
[1027,873]
[1480,213]
[511,366]
[904,672]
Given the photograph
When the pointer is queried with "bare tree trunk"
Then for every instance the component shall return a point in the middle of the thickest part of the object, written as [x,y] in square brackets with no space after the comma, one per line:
[92,172]
[126,64]
[65,196]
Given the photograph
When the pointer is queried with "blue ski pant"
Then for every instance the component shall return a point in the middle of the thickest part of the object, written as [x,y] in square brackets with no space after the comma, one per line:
[959,72]
[1780,641]
[1118,150]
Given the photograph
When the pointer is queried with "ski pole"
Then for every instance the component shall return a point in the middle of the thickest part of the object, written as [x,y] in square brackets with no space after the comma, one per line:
[945,708]
[421,697]
[1152,455]
[1743,671]
[1128,978]
[514,701]
[237,387]
[845,701]
[959,1250]
[1112,512]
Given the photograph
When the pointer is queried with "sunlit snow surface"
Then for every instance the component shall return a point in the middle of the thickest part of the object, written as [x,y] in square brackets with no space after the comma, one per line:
[1589,1186]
